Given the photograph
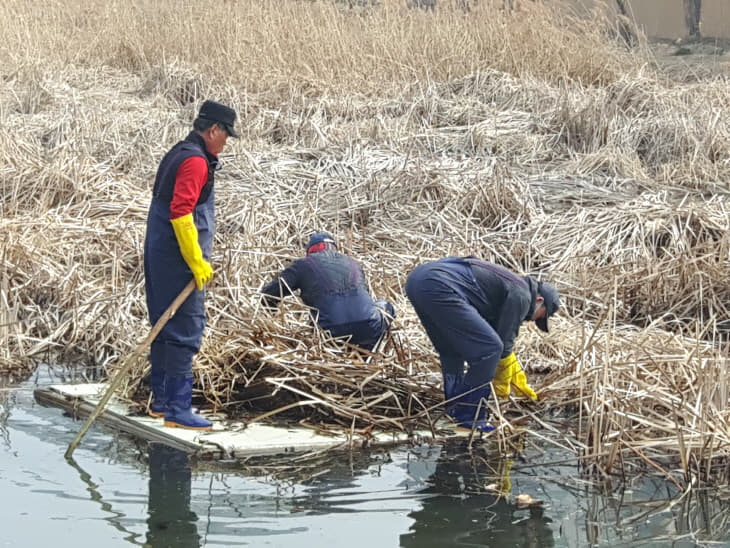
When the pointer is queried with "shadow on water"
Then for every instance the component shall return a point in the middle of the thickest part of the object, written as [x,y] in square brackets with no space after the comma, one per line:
[118,492]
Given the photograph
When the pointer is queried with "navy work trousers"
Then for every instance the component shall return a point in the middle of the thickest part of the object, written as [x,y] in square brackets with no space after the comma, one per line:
[440,293]
[166,274]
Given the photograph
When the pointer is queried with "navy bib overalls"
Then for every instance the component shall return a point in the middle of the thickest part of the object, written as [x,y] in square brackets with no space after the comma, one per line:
[166,273]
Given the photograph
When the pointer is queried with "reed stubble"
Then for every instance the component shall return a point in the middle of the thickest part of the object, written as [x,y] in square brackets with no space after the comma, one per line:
[536,141]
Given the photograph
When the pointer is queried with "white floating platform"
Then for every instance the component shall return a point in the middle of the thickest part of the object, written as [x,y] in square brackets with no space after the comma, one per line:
[228,439]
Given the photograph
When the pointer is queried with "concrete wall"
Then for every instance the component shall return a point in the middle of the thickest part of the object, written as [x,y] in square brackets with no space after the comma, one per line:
[671,19]
[659,18]
[715,18]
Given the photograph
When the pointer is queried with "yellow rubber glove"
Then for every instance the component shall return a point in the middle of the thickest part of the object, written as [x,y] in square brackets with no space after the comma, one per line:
[519,381]
[503,375]
[187,238]
[510,375]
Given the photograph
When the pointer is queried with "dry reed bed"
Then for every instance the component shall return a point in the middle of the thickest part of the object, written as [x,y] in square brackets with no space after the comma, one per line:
[614,190]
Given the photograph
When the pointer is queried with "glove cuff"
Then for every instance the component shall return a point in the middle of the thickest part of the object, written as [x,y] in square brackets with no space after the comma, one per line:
[187,238]
[508,360]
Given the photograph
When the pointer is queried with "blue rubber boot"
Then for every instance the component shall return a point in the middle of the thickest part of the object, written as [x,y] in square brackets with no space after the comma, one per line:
[159,395]
[464,410]
[179,412]
[453,386]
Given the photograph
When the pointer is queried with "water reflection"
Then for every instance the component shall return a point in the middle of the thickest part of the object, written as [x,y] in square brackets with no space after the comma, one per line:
[427,496]
[6,403]
[114,516]
[170,522]
[459,512]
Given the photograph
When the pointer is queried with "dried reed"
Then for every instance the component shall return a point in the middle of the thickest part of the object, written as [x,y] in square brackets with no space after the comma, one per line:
[547,146]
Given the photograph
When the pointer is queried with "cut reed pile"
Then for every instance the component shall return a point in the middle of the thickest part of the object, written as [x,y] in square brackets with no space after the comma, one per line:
[548,148]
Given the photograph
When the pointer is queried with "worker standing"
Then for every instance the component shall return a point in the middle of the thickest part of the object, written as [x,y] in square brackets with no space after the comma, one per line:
[472,311]
[180,228]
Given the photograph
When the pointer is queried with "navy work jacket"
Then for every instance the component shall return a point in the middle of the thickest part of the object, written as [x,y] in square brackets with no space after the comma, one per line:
[504,299]
[331,283]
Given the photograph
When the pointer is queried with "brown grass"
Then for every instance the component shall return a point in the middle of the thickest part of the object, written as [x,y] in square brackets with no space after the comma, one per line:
[532,139]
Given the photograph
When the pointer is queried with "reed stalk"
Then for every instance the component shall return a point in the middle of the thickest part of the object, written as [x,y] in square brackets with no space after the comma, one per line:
[535,138]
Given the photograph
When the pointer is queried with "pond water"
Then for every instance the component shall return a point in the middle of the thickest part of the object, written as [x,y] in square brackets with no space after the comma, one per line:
[121,492]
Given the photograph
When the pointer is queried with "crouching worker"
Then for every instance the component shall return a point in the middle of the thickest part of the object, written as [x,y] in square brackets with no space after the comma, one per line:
[472,311]
[177,248]
[334,286]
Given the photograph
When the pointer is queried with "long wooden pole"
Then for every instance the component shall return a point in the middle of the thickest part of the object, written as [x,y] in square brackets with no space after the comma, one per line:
[128,362]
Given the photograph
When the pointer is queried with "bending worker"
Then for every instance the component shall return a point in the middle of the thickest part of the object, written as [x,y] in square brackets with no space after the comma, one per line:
[180,227]
[472,311]
[334,286]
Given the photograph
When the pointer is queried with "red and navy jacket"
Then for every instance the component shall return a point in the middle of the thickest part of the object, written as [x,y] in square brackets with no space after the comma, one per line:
[186,176]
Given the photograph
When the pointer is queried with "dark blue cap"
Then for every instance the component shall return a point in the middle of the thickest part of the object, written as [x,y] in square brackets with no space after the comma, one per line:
[221,114]
[551,300]
[319,237]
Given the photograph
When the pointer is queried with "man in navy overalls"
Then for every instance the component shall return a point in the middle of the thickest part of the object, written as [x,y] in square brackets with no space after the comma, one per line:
[180,228]
[472,311]
[334,286]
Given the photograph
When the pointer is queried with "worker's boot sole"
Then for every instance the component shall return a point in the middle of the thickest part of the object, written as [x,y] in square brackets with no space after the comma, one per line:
[161,414]
[170,424]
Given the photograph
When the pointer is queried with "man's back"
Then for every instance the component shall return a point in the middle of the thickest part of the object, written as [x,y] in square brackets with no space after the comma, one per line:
[333,284]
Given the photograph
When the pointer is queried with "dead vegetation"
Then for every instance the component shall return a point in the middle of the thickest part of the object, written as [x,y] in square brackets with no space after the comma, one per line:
[526,138]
